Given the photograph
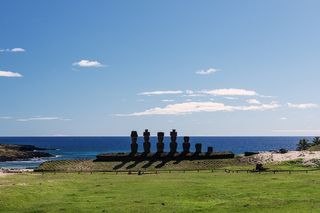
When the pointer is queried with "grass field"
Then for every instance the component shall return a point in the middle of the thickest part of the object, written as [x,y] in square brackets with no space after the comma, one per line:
[205,191]
[90,165]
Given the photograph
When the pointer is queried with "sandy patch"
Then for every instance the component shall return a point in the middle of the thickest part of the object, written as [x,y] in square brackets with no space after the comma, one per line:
[267,157]
[4,172]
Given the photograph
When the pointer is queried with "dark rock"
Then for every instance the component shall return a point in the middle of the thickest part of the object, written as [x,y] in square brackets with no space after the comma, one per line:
[250,153]
[259,167]
[283,151]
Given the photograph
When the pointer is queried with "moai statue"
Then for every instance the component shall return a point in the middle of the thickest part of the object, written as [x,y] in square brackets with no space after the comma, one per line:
[210,149]
[160,144]
[173,143]
[198,147]
[146,144]
[134,145]
[186,144]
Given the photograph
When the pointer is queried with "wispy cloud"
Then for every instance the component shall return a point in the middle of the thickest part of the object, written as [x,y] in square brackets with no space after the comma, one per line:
[303,106]
[191,93]
[207,71]
[88,63]
[40,118]
[253,101]
[9,74]
[167,100]
[192,107]
[16,49]
[231,98]
[216,92]
[163,92]
[283,118]
[230,92]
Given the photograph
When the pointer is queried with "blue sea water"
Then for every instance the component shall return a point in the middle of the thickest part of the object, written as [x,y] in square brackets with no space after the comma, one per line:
[89,147]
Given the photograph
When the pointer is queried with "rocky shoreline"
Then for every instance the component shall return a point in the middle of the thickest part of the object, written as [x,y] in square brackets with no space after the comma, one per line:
[15,152]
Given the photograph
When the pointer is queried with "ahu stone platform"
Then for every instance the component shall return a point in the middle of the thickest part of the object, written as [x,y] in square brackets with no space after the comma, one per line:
[162,156]
[134,155]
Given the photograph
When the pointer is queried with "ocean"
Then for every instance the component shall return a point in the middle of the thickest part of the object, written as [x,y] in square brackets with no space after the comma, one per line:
[89,147]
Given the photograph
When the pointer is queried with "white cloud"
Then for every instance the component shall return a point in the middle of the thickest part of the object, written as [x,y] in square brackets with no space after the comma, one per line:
[303,106]
[40,118]
[88,63]
[167,100]
[231,98]
[164,92]
[283,118]
[9,74]
[191,107]
[253,101]
[230,92]
[16,49]
[191,93]
[207,71]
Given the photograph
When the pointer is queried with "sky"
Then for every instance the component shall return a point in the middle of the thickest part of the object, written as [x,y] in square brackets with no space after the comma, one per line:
[211,68]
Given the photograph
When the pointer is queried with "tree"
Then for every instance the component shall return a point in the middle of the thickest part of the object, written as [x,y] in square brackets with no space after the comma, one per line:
[303,144]
[316,141]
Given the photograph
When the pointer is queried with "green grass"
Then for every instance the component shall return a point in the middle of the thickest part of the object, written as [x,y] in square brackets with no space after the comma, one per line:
[90,165]
[314,148]
[164,192]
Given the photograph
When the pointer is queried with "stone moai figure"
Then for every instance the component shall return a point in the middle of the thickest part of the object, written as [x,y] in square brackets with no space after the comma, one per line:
[173,143]
[198,147]
[146,144]
[186,144]
[160,144]
[210,149]
[134,145]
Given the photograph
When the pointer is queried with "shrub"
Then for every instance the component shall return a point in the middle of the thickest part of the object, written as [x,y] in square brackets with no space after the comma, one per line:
[303,145]
[316,141]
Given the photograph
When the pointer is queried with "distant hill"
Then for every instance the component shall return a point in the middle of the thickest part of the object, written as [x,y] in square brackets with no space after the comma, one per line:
[13,152]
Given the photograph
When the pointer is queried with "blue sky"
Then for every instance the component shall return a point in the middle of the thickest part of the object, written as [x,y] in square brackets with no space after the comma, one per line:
[202,67]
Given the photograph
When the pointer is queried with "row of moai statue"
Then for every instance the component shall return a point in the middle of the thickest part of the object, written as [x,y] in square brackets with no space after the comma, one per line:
[160,144]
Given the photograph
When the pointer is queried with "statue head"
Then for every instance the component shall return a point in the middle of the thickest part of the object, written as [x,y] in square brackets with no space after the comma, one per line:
[186,139]
[160,136]
[173,135]
[146,133]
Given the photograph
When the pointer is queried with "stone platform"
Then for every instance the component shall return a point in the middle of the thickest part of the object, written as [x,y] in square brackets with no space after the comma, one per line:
[162,156]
